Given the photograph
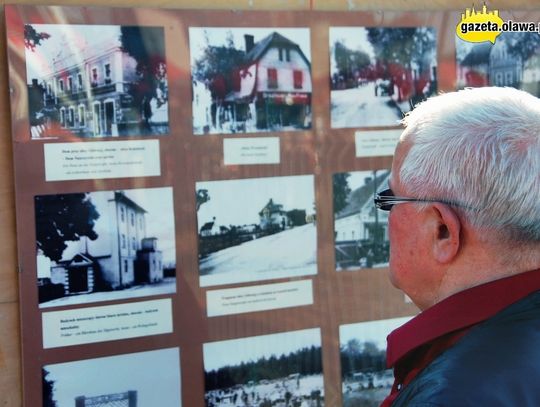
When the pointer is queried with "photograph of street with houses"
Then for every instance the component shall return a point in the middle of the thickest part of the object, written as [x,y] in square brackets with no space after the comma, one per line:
[256,229]
[105,245]
[248,80]
[377,74]
[96,80]
[514,60]
[277,370]
[360,230]
[115,381]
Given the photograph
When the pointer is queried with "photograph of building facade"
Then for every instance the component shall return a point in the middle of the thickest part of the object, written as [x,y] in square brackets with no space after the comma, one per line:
[514,60]
[120,254]
[96,81]
[360,230]
[257,80]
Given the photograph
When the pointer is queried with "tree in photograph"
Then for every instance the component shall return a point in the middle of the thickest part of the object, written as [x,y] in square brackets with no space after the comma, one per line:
[201,196]
[341,191]
[32,38]
[398,51]
[147,46]
[523,44]
[63,218]
[350,64]
[48,390]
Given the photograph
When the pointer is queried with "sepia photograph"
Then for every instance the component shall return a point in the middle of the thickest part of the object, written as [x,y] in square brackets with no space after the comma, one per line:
[247,80]
[377,74]
[132,380]
[96,80]
[243,223]
[277,370]
[365,379]
[105,245]
[360,230]
[514,61]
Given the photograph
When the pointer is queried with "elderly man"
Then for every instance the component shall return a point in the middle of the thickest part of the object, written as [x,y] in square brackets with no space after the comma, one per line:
[464,229]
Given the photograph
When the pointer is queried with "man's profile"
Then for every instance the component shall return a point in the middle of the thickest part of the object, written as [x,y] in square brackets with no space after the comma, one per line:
[464,228]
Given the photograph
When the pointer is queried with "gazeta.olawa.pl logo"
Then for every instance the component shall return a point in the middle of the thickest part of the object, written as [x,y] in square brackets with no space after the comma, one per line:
[476,26]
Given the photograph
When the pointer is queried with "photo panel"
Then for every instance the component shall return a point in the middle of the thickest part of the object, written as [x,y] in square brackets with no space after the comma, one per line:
[248,80]
[96,80]
[136,379]
[378,73]
[105,245]
[360,229]
[365,379]
[283,369]
[256,229]
[514,60]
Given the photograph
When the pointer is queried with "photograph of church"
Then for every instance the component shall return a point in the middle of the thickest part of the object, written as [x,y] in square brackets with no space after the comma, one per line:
[104,245]
[96,81]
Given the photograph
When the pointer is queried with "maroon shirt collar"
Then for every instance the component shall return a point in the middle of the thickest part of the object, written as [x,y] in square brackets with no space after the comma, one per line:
[459,311]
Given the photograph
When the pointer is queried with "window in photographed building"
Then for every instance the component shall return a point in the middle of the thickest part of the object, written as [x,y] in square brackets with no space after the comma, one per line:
[298,79]
[272,78]
[82,118]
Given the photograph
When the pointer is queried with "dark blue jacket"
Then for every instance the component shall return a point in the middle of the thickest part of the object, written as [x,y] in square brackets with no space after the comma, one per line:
[497,363]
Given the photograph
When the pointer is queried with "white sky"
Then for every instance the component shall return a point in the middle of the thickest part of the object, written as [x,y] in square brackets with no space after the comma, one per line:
[357,178]
[155,375]
[354,38]
[238,202]
[218,36]
[68,39]
[236,351]
[372,331]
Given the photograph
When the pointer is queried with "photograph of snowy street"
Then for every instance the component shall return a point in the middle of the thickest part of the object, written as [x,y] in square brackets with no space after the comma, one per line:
[105,245]
[96,80]
[256,229]
[514,60]
[247,80]
[136,379]
[277,370]
[378,73]
[365,379]
[360,230]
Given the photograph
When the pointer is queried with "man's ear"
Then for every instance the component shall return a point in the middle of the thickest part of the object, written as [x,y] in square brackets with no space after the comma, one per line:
[446,233]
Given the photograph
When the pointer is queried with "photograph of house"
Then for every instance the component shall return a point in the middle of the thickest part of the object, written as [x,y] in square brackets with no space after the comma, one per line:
[514,60]
[115,381]
[360,230]
[365,379]
[377,74]
[243,223]
[104,245]
[96,80]
[248,80]
[283,369]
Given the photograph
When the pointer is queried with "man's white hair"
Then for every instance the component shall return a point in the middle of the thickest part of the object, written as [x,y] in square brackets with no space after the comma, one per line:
[481,148]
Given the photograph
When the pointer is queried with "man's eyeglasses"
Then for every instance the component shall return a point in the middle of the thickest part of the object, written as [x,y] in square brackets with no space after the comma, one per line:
[385,200]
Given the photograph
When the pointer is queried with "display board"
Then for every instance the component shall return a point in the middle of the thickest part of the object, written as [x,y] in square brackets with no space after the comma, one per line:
[194,197]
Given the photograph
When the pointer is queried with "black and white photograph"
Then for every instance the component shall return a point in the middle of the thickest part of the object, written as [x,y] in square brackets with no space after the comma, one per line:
[248,80]
[277,370]
[132,380]
[377,74]
[105,245]
[256,229]
[514,60]
[360,229]
[365,379]
[96,80]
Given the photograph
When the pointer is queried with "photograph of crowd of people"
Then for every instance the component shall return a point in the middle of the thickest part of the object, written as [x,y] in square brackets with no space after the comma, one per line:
[365,379]
[277,370]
